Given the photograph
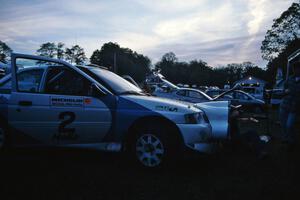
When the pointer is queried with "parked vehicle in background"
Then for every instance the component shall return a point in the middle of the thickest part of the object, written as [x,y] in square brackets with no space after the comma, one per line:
[157,79]
[252,85]
[184,94]
[214,92]
[203,88]
[248,102]
[131,80]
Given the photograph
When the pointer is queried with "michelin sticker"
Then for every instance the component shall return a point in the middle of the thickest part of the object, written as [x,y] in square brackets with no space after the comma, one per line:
[66,101]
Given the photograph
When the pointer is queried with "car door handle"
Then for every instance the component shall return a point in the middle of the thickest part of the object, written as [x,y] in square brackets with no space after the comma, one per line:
[25,103]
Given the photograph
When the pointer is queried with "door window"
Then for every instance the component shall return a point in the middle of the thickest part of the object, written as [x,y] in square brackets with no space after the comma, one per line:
[29,80]
[66,82]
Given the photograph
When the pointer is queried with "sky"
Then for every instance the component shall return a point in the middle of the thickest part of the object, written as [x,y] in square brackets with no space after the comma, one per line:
[218,32]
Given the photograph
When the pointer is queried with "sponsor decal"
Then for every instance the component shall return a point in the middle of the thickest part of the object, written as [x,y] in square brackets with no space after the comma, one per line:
[87,101]
[65,132]
[166,108]
[66,101]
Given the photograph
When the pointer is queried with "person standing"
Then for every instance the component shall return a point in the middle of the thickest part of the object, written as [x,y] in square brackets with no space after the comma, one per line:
[290,107]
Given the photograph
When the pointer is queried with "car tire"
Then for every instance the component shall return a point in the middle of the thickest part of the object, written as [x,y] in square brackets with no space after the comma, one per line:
[154,147]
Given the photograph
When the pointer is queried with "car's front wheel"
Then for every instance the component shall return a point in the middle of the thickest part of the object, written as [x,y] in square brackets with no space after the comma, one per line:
[150,150]
[154,146]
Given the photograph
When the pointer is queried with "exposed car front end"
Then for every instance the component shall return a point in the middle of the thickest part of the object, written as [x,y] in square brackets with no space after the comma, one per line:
[192,123]
[218,115]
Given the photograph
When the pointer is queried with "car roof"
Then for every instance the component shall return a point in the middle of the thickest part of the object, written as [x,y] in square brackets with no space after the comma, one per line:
[92,66]
[240,91]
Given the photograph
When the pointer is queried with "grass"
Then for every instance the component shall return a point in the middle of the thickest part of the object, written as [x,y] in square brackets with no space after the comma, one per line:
[73,174]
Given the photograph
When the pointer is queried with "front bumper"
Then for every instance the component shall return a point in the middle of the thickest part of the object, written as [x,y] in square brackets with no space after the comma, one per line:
[197,136]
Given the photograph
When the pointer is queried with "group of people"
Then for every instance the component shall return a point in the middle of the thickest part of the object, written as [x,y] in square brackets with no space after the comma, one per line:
[289,113]
[290,108]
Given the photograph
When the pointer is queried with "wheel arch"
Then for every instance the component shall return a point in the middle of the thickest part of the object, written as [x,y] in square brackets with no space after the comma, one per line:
[154,119]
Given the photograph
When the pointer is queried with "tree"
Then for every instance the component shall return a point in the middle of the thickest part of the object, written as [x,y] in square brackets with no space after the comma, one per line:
[60,52]
[96,57]
[52,50]
[169,57]
[198,72]
[194,72]
[127,61]
[47,49]
[281,60]
[284,30]
[75,54]
[256,72]
[5,51]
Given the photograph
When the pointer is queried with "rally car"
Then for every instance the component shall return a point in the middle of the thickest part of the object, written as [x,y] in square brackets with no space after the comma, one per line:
[53,103]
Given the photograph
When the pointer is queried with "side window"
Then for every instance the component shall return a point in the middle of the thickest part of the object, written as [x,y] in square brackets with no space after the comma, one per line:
[181,93]
[29,81]
[66,82]
[194,94]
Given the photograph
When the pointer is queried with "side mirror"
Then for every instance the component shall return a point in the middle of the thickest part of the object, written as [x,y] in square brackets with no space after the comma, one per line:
[96,91]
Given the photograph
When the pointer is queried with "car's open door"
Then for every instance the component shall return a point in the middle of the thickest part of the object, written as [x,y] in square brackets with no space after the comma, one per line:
[50,104]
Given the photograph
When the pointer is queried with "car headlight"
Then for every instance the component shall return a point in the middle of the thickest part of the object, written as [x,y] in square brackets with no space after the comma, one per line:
[196,118]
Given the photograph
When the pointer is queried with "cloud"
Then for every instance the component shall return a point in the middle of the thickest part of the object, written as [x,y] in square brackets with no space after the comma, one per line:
[171,5]
[257,12]
[215,52]
[217,31]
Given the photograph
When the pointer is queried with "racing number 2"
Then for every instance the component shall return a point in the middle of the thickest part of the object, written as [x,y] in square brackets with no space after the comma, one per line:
[65,133]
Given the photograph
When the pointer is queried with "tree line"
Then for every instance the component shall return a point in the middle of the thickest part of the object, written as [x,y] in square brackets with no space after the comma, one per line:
[74,54]
[125,61]
[200,73]
[280,41]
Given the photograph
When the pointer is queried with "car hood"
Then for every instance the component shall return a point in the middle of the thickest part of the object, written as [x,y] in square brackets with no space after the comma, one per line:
[162,104]
[216,104]
[218,115]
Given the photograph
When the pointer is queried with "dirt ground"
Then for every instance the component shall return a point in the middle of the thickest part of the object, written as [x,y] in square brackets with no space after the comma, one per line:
[77,174]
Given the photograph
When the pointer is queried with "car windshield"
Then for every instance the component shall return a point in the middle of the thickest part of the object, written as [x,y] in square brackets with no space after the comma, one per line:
[111,80]
[238,95]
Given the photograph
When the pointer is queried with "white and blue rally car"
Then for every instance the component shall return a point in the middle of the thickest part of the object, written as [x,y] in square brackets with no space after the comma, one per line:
[49,102]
